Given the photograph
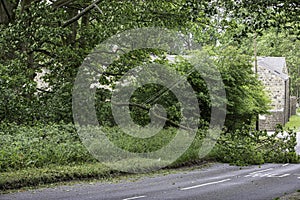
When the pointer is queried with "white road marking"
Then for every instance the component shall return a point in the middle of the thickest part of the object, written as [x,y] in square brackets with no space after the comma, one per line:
[262,171]
[139,197]
[269,175]
[285,165]
[263,175]
[278,175]
[257,172]
[284,175]
[205,184]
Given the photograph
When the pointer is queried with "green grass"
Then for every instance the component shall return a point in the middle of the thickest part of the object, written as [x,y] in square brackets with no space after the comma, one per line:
[293,196]
[40,146]
[52,174]
[294,123]
[59,144]
[42,154]
[33,178]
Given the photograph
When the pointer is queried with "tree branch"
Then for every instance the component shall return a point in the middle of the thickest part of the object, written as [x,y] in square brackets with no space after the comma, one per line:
[111,52]
[6,10]
[156,115]
[112,74]
[44,52]
[83,12]
[60,3]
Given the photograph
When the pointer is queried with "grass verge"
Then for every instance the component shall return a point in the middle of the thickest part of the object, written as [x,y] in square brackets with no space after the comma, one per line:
[40,177]
[294,196]
[294,123]
[44,154]
[52,174]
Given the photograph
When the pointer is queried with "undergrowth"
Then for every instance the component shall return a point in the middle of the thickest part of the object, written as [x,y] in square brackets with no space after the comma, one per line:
[245,147]
[32,155]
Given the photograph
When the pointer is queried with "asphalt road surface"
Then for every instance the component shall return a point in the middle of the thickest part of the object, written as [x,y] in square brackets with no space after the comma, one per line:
[219,181]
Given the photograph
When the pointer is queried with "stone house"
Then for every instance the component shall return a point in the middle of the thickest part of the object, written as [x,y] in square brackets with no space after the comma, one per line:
[273,72]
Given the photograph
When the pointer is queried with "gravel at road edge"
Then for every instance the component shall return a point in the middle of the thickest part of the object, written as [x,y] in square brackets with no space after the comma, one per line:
[294,196]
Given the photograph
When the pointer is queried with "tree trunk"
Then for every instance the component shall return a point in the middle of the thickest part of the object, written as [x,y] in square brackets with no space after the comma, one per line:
[7,11]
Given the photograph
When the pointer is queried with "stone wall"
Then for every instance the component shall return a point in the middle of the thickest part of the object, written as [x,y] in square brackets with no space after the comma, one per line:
[274,86]
[287,102]
[278,90]
[293,105]
[269,122]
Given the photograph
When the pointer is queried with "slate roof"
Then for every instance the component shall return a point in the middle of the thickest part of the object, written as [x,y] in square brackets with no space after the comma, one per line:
[275,64]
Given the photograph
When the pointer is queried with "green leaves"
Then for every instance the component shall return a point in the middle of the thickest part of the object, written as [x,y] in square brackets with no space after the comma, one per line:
[39,146]
[257,16]
[37,39]
[245,94]
[245,147]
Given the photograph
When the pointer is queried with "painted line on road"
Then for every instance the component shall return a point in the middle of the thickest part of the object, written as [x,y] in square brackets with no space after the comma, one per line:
[263,175]
[205,184]
[277,175]
[284,175]
[131,198]
[261,171]
[256,172]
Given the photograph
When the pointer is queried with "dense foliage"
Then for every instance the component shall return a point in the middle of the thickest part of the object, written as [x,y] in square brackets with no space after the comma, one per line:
[40,146]
[55,36]
[245,146]
[42,36]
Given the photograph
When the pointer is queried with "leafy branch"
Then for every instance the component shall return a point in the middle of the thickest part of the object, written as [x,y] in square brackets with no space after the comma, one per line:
[83,12]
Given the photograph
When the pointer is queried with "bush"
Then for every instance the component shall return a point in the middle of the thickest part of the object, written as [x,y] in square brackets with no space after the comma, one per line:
[58,144]
[40,145]
[244,147]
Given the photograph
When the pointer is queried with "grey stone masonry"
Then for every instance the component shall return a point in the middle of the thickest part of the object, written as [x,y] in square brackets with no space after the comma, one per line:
[272,71]
[293,105]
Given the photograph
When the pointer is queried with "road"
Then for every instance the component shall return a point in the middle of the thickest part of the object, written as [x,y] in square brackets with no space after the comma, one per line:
[220,181]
